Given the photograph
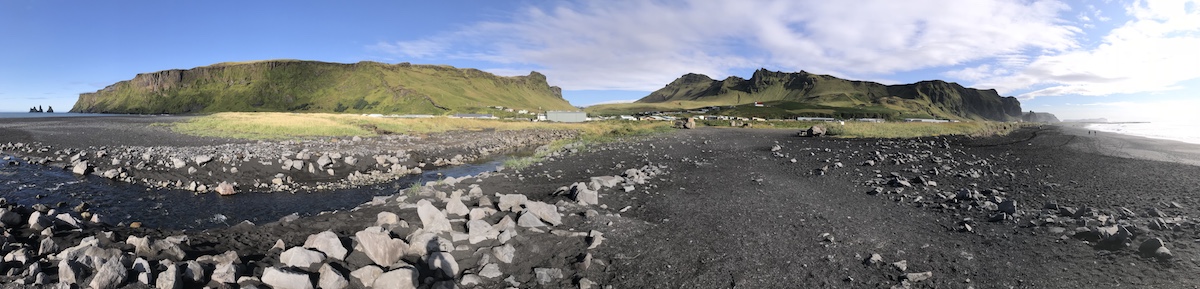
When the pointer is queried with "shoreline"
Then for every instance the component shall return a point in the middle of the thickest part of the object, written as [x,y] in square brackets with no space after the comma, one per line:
[1132,146]
[711,207]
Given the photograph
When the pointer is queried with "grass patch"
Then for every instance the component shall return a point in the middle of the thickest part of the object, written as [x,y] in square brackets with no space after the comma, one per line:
[916,129]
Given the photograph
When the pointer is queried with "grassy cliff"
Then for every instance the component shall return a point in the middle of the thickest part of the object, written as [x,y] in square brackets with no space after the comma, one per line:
[806,94]
[311,86]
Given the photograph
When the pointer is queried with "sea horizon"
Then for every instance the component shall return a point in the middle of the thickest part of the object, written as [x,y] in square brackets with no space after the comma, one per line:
[1181,131]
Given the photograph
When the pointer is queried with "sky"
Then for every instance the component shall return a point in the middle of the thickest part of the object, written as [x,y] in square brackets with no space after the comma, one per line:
[1121,60]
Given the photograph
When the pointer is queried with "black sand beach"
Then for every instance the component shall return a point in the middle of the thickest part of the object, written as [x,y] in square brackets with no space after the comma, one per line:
[1046,207]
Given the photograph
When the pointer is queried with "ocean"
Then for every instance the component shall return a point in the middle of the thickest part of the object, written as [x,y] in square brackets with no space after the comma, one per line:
[1188,132]
[56,114]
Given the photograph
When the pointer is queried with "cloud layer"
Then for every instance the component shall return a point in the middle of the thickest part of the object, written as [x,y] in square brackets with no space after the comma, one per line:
[1028,47]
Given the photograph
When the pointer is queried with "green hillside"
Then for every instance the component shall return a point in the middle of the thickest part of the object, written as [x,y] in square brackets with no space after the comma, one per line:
[311,86]
[806,94]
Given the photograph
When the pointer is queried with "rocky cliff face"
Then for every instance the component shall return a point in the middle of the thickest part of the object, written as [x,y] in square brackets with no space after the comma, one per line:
[1039,117]
[929,97]
[292,85]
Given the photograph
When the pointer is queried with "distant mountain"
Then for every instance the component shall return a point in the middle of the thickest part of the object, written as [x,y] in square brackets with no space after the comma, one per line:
[311,86]
[1039,117]
[808,94]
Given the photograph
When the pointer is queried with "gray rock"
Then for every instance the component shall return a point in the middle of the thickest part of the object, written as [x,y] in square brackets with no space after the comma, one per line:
[547,275]
[490,271]
[9,218]
[70,272]
[365,277]
[169,278]
[504,253]
[901,265]
[177,163]
[470,280]
[432,219]
[918,277]
[282,279]
[480,231]
[380,247]
[386,218]
[193,271]
[544,211]
[47,246]
[324,161]
[512,202]
[39,221]
[1155,247]
[226,189]
[331,279]
[302,258]
[585,196]
[227,272]
[443,263]
[202,159]
[110,275]
[402,278]
[455,206]
[327,242]
[81,168]
[528,220]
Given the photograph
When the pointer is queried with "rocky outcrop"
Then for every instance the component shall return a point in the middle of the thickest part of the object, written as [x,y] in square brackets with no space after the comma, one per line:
[1045,117]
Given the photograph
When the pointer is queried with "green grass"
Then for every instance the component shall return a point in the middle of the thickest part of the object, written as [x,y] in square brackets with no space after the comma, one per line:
[916,129]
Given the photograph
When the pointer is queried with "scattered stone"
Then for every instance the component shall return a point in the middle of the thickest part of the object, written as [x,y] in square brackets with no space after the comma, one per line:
[327,242]
[331,279]
[480,231]
[918,277]
[504,253]
[490,271]
[1008,206]
[402,278]
[226,189]
[365,277]
[380,247]
[511,202]
[282,279]
[443,263]
[301,258]
[547,275]
[431,218]
[544,211]
[875,259]
[901,265]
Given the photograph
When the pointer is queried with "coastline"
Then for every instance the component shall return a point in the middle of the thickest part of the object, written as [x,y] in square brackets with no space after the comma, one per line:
[1130,146]
[711,207]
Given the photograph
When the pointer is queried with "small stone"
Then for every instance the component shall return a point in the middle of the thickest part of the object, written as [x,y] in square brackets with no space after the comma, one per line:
[504,253]
[226,189]
[875,259]
[490,271]
[443,263]
[901,265]
[402,278]
[918,277]
[281,279]
[547,275]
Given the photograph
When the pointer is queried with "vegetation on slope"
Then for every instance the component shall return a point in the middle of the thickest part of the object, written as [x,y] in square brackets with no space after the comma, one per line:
[310,86]
[827,96]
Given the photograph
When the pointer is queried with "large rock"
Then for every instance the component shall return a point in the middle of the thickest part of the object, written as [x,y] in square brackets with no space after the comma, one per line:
[301,258]
[331,279]
[226,189]
[281,279]
[70,272]
[455,206]
[585,196]
[544,211]
[547,275]
[432,219]
[365,277]
[81,168]
[380,247]
[169,278]
[110,275]
[193,271]
[816,131]
[9,218]
[491,271]
[327,242]
[480,230]
[504,253]
[444,263]
[402,278]
[528,220]
[512,202]
[227,272]
[324,161]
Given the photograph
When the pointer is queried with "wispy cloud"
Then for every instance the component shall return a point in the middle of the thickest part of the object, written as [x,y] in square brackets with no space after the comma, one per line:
[1155,51]
[640,45]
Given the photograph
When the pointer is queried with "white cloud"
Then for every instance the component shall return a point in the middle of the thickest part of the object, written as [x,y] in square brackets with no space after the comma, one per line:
[641,45]
[1155,51]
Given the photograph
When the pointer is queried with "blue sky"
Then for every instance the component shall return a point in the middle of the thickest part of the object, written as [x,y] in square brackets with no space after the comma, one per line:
[1124,60]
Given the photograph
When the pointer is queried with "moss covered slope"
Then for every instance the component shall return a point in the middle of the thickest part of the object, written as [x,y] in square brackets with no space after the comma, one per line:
[311,86]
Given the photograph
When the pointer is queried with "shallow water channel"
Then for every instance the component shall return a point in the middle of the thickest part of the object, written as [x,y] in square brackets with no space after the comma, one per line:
[118,202]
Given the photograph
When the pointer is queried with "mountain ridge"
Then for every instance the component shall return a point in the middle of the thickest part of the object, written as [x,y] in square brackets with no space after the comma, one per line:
[935,98]
[315,86]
